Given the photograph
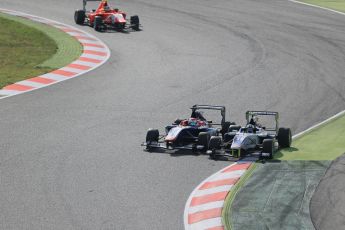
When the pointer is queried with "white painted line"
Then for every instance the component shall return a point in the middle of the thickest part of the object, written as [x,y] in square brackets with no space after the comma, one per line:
[223,188]
[319,124]
[92,48]
[204,207]
[39,20]
[8,92]
[205,224]
[89,64]
[232,174]
[226,175]
[320,7]
[186,208]
[58,25]
[55,77]
[87,41]
[31,83]
[75,33]
[97,57]
[74,70]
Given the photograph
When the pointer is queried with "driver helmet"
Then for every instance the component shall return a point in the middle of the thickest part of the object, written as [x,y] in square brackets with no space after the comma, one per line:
[192,122]
[250,128]
[256,120]
[107,8]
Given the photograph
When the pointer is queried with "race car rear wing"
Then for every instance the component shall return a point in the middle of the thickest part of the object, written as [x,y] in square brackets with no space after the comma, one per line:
[85,2]
[250,114]
[211,107]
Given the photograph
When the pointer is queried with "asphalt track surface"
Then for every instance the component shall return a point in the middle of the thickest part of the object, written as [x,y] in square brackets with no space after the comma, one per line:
[70,153]
[327,204]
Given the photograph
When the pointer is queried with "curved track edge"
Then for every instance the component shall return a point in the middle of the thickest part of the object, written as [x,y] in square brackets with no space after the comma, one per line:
[95,53]
[320,7]
[204,207]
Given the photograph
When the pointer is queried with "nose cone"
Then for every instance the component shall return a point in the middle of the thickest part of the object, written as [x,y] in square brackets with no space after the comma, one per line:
[173,133]
[118,18]
[237,142]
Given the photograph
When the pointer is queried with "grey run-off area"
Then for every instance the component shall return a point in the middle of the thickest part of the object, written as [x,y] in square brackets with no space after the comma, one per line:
[327,206]
[277,196]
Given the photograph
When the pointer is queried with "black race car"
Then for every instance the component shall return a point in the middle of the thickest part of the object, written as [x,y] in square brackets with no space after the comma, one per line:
[193,133]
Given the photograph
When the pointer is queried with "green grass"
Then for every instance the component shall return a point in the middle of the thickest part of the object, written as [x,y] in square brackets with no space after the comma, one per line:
[31,49]
[324,143]
[338,5]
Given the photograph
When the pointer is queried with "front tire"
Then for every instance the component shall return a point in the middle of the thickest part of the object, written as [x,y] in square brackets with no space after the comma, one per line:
[152,135]
[284,137]
[268,147]
[97,24]
[135,22]
[203,139]
[215,143]
[79,17]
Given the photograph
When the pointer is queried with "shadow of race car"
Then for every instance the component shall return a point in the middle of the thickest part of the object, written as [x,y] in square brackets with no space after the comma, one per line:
[105,18]
[253,138]
[193,133]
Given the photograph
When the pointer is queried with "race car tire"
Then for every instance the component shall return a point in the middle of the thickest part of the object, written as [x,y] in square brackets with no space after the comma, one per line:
[228,137]
[226,126]
[97,24]
[215,142]
[203,139]
[268,147]
[79,17]
[233,128]
[284,137]
[152,135]
[135,22]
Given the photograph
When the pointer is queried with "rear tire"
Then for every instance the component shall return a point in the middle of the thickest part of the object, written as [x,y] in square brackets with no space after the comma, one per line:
[233,128]
[152,135]
[284,137]
[203,139]
[267,147]
[225,127]
[135,22]
[97,24]
[215,142]
[79,17]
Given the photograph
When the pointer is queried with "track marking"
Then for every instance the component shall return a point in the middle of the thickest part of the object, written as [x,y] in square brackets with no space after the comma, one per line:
[41,80]
[237,169]
[95,53]
[203,209]
[316,6]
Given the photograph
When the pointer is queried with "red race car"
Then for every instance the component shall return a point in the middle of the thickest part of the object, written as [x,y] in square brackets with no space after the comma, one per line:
[104,18]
